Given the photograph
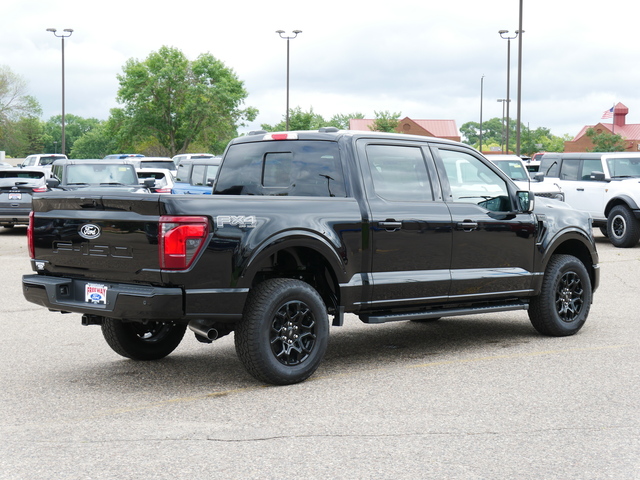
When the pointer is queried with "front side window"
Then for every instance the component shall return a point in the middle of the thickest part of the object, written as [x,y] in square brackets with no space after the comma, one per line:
[472,181]
[399,173]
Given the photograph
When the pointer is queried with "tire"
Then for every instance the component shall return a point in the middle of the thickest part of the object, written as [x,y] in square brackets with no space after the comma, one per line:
[142,341]
[603,231]
[564,301]
[284,331]
[622,227]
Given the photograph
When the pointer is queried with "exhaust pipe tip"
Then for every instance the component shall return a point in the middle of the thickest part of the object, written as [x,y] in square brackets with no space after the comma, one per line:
[205,332]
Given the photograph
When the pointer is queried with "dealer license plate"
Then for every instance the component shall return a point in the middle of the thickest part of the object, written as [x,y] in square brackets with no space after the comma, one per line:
[95,293]
[15,196]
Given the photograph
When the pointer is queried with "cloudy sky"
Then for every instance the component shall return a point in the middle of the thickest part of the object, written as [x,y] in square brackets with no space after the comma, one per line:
[424,59]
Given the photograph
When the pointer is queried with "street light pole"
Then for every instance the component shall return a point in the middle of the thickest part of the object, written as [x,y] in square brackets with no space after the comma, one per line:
[503,34]
[62,36]
[287,38]
[481,94]
[519,105]
[503,100]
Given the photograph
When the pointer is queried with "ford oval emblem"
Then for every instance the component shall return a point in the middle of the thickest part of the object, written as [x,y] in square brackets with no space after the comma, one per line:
[89,231]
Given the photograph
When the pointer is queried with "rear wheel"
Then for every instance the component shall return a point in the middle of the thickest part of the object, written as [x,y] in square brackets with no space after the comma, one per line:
[564,301]
[284,331]
[622,227]
[142,341]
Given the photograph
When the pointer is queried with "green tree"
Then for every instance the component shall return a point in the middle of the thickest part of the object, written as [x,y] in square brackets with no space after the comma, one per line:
[606,141]
[96,143]
[298,120]
[14,101]
[385,121]
[341,121]
[178,102]
[74,128]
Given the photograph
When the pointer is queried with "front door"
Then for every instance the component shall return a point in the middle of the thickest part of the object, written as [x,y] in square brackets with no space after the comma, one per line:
[492,246]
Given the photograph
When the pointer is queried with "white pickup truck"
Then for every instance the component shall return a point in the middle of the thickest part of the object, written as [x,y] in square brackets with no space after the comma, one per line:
[606,185]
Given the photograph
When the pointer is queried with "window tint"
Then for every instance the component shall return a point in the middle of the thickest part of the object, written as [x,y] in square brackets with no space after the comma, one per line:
[183,173]
[590,166]
[299,167]
[399,173]
[471,181]
[570,169]
[550,166]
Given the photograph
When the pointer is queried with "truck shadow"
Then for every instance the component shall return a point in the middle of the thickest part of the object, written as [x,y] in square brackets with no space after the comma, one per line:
[353,349]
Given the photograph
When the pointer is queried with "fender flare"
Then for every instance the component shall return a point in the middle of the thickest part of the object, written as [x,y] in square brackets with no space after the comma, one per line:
[619,200]
[292,239]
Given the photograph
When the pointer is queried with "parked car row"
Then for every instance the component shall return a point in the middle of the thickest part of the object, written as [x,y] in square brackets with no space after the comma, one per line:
[115,173]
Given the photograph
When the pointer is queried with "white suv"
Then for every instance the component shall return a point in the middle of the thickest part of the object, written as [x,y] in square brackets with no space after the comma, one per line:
[603,184]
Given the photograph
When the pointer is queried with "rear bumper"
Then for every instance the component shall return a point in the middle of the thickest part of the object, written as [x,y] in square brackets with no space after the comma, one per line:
[15,218]
[122,300]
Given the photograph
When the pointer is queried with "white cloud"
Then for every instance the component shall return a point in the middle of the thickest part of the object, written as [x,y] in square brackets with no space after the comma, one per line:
[413,57]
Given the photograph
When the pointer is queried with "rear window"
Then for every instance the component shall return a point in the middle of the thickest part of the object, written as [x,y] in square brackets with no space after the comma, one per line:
[168,164]
[22,174]
[286,168]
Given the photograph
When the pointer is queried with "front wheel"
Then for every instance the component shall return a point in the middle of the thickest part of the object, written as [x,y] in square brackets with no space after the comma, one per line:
[284,331]
[142,341]
[564,301]
[622,227]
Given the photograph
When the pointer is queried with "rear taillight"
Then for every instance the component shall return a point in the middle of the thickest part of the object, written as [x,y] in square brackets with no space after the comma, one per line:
[32,251]
[162,190]
[40,189]
[180,239]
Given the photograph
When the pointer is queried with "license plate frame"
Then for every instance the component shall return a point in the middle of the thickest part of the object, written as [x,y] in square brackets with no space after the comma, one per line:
[15,196]
[95,293]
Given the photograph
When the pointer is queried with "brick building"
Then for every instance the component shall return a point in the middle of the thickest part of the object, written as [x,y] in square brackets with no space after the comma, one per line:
[629,132]
[427,128]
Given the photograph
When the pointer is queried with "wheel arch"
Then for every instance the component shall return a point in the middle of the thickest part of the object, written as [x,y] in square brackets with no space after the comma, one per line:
[301,255]
[625,200]
[574,243]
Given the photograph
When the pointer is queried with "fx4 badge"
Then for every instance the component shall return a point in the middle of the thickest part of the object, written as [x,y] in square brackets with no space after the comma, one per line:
[89,231]
[242,221]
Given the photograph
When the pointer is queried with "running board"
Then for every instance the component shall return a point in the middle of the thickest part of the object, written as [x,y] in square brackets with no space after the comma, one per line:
[451,312]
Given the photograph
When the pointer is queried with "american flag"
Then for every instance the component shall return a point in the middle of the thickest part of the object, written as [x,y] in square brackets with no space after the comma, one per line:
[608,113]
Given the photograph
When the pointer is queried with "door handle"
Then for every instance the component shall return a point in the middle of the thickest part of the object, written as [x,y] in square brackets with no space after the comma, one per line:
[467,225]
[580,189]
[390,225]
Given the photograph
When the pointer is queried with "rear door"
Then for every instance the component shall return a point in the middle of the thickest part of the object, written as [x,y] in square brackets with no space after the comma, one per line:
[492,247]
[410,225]
[580,190]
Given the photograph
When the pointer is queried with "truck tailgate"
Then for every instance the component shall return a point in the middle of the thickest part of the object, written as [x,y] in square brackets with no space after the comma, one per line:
[110,238]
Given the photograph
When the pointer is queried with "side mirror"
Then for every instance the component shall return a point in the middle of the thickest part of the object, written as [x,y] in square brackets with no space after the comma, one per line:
[597,176]
[149,182]
[52,183]
[526,201]
[538,177]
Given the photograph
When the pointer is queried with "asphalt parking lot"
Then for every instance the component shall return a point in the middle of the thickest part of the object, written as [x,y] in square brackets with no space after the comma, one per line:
[481,397]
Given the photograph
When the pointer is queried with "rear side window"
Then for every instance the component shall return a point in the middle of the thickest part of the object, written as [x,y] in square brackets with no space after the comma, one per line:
[550,166]
[301,168]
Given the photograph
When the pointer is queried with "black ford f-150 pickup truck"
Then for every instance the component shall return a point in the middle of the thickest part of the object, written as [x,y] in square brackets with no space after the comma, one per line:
[306,225]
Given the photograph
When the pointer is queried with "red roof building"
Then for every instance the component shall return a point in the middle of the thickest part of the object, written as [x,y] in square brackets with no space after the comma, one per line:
[427,128]
[629,132]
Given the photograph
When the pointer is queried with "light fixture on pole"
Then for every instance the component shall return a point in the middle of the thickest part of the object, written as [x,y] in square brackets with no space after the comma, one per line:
[504,35]
[67,33]
[287,38]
